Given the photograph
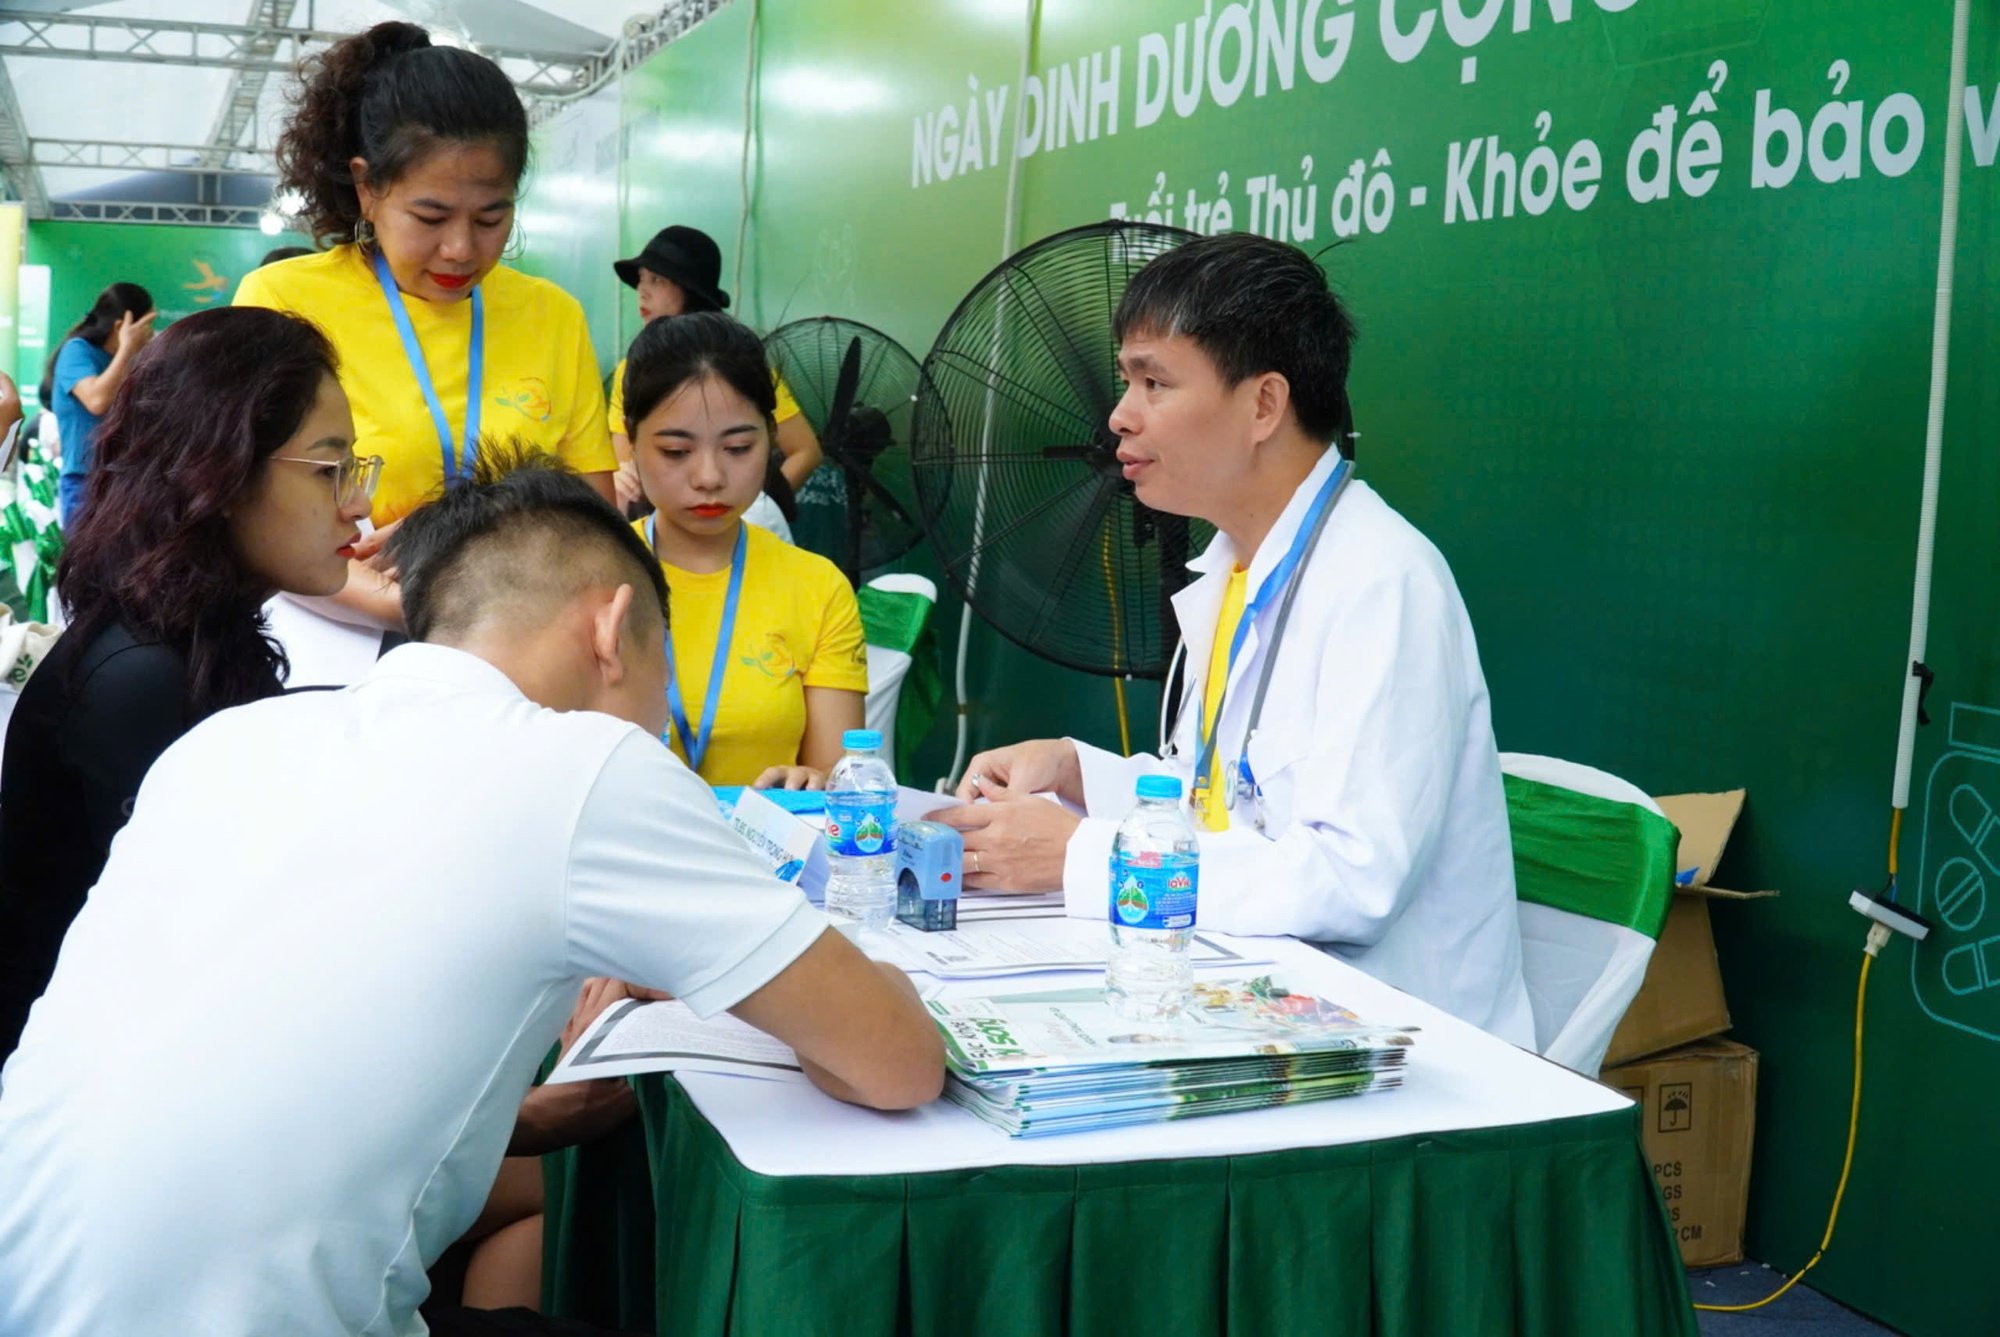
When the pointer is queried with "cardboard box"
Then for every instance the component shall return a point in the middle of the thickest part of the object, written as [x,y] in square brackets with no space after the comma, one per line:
[1700,1110]
[1681,998]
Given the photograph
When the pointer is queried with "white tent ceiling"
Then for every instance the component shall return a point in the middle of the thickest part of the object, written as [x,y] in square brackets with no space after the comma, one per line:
[103,101]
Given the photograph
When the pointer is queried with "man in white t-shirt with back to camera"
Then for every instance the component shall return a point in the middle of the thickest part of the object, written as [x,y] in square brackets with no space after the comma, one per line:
[284,1047]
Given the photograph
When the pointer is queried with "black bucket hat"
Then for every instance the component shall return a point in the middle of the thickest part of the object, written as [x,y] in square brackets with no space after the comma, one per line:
[689,257]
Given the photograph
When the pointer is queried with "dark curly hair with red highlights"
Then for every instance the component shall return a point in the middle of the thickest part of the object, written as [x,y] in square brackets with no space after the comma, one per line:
[186,437]
[390,98]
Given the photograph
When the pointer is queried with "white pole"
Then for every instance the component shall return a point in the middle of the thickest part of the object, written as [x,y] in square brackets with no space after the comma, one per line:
[1009,229]
[1920,596]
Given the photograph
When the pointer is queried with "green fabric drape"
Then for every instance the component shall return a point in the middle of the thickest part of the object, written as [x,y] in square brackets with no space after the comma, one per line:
[31,573]
[598,1236]
[1597,857]
[28,517]
[1544,1230]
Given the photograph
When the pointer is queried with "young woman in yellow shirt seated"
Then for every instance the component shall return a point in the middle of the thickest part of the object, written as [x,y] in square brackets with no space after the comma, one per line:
[767,664]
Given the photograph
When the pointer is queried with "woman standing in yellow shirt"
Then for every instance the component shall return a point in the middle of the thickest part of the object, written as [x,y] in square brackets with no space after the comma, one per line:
[767,665]
[409,157]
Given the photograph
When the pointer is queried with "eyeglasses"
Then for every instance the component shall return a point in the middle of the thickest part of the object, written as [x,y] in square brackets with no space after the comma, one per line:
[354,478]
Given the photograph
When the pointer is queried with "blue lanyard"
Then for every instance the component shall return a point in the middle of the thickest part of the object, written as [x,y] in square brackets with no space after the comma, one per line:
[696,747]
[1274,585]
[475,372]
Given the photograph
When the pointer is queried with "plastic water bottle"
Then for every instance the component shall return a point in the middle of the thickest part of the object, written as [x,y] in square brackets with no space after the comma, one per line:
[861,833]
[1155,880]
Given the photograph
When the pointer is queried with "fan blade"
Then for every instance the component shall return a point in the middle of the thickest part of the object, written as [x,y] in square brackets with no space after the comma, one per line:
[1010,388]
[1083,546]
[1083,452]
[843,398]
[888,498]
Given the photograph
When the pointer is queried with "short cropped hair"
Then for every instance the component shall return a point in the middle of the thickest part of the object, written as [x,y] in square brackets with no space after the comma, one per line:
[1254,306]
[519,540]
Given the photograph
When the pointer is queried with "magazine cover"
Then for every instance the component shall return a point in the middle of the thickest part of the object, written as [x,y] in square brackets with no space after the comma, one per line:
[1028,1118]
[1076,1028]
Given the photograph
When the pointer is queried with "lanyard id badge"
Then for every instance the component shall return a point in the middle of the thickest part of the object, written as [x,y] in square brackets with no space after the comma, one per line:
[694,741]
[475,372]
[1280,582]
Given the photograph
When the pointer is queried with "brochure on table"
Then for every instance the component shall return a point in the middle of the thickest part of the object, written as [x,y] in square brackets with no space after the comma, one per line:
[633,1037]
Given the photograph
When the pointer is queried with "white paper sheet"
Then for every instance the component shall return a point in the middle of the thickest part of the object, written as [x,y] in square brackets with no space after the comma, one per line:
[976,906]
[1025,947]
[634,1036]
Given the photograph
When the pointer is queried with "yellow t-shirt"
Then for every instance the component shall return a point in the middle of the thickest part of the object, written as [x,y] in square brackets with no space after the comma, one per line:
[540,382]
[788,407]
[797,626]
[1209,803]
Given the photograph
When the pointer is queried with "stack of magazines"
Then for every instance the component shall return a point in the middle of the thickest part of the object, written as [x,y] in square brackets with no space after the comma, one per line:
[1036,1064]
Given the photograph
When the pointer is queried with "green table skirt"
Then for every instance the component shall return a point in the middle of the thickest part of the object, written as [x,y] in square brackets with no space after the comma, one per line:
[1540,1230]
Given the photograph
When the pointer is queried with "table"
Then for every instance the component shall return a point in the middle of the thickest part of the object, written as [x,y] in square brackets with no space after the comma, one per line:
[1495,1193]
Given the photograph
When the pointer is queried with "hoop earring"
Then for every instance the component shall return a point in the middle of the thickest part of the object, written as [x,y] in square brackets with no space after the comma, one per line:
[517,243]
[364,233]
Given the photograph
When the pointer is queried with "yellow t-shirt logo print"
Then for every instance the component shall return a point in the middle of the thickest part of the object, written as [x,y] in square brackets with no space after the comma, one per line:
[776,660]
[209,286]
[529,397]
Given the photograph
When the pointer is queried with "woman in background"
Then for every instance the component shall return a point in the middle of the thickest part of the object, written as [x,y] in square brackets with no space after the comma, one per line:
[677,274]
[766,652]
[83,375]
[225,471]
[410,157]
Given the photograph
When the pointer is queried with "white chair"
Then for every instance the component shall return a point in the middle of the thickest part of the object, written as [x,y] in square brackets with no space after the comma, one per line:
[889,663]
[1594,867]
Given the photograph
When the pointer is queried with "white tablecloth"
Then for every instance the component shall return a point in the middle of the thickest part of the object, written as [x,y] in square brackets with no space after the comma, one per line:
[1459,1077]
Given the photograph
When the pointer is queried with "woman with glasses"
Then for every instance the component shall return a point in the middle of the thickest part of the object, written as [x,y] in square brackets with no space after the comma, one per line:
[225,471]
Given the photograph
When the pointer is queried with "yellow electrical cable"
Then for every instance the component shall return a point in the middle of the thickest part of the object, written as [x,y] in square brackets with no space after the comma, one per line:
[1846,1164]
[1117,683]
[1895,837]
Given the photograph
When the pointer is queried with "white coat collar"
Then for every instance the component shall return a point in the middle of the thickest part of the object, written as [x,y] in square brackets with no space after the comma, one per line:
[1220,555]
[1196,606]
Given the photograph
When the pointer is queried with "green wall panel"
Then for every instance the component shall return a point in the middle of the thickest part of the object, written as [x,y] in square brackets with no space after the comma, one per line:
[186,269]
[568,215]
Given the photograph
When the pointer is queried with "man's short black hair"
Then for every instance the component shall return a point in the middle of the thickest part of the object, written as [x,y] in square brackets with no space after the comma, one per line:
[524,536]
[1253,305]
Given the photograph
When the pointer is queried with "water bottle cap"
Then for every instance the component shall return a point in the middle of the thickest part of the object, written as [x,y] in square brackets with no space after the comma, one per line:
[1159,786]
[861,740]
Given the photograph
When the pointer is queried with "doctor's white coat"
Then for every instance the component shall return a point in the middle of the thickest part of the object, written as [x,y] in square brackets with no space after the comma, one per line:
[1386,836]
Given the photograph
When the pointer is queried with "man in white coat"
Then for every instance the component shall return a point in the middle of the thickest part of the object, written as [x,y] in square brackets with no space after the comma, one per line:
[1362,808]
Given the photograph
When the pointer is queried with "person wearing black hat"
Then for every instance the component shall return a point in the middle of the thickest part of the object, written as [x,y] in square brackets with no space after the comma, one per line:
[680,271]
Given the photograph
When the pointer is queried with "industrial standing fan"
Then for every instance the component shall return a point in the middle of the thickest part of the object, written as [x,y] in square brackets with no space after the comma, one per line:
[858,388]
[1015,468]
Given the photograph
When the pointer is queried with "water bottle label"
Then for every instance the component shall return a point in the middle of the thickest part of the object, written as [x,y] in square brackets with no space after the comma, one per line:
[1148,891]
[860,826]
